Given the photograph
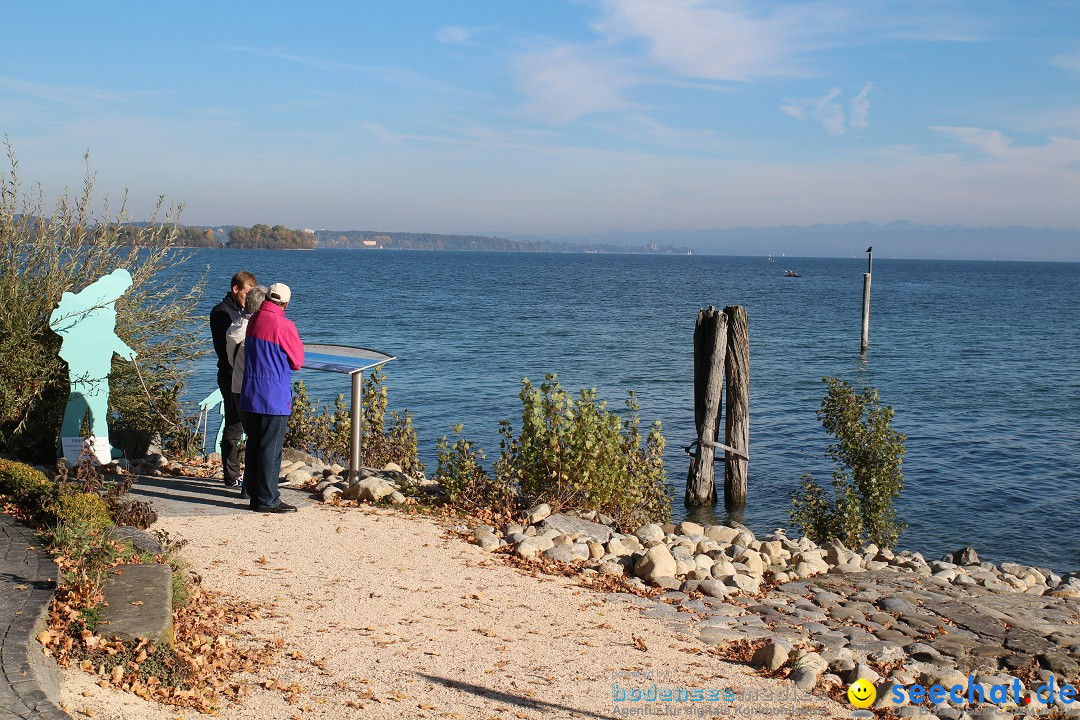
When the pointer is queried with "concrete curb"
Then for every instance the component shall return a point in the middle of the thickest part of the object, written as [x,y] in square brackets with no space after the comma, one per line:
[29,681]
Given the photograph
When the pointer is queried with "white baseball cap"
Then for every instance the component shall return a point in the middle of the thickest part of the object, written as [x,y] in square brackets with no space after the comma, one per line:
[279,292]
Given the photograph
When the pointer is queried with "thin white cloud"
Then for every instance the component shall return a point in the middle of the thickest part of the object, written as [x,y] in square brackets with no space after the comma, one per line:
[824,109]
[388,136]
[400,77]
[1069,61]
[461,35]
[709,40]
[565,82]
[829,113]
[860,107]
[63,94]
[991,142]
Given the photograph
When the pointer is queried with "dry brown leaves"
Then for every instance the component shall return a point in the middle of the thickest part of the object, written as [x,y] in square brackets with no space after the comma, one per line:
[17,511]
[197,672]
[740,651]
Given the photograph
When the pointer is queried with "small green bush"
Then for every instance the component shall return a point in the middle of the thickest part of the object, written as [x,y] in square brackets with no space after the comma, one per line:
[574,452]
[467,484]
[26,487]
[325,431]
[868,477]
[84,510]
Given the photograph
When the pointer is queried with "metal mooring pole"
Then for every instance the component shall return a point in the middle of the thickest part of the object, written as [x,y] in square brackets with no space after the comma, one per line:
[866,299]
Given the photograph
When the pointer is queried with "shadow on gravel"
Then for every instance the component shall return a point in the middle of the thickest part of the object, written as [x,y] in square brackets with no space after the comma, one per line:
[523,702]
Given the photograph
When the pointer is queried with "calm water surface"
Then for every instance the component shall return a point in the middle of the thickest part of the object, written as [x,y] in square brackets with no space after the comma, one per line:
[978,359]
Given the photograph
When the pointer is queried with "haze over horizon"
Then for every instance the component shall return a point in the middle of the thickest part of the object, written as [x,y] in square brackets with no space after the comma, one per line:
[561,118]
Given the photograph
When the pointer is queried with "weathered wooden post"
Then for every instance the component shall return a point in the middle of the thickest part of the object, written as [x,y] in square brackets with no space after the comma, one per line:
[710,348]
[737,422]
[866,299]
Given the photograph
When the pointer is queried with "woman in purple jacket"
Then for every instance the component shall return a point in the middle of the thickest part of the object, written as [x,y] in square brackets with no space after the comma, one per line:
[272,350]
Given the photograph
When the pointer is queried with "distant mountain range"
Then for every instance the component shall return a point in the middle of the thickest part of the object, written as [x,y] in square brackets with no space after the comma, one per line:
[900,239]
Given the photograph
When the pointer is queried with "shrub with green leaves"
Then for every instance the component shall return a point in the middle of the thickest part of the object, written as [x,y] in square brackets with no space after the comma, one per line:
[467,484]
[325,431]
[86,510]
[26,487]
[868,477]
[573,451]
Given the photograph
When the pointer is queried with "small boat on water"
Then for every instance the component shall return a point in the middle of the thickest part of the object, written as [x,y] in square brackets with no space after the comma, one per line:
[791,273]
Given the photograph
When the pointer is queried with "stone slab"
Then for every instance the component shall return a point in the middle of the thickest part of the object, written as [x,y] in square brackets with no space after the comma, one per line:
[139,603]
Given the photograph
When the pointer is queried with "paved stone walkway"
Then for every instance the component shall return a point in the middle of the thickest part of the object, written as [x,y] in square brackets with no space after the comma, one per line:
[27,583]
[183,496]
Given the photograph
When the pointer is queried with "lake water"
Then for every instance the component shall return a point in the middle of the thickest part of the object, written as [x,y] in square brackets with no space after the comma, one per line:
[979,360]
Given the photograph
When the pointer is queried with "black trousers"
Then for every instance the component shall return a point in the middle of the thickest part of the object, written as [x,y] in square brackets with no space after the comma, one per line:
[230,436]
[266,434]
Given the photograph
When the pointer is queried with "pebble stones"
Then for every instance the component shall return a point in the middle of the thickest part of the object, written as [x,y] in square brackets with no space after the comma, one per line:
[832,614]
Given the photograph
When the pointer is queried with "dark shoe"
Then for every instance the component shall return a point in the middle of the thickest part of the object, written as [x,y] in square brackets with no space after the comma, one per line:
[231,482]
[279,508]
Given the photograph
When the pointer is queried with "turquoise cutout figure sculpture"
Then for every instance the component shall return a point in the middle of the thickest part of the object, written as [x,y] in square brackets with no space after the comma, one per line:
[87,323]
[214,400]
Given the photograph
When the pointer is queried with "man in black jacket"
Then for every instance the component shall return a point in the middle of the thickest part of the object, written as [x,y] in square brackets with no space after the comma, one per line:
[221,317]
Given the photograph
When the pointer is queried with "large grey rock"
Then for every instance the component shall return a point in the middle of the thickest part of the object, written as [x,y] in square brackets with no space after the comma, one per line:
[690,529]
[537,513]
[141,540]
[138,603]
[657,562]
[721,533]
[805,678]
[745,583]
[753,562]
[650,535]
[610,567]
[527,548]
[567,525]
[373,489]
[714,588]
[297,477]
[771,656]
[488,542]
[861,671]
[561,553]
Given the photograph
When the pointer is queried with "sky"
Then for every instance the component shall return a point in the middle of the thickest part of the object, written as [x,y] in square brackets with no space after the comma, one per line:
[550,117]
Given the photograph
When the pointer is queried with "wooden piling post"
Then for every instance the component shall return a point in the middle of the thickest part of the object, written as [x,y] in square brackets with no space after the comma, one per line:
[866,299]
[737,422]
[710,349]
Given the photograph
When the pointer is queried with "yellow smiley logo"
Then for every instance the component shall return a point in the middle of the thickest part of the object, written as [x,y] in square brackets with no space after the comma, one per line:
[862,693]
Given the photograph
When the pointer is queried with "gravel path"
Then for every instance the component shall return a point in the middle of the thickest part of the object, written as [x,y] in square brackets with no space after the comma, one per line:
[385,616]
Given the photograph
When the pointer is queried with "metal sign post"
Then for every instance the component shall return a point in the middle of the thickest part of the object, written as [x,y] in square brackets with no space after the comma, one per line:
[352,361]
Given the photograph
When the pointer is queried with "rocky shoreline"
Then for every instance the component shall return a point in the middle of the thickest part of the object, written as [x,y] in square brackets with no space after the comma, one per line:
[835,615]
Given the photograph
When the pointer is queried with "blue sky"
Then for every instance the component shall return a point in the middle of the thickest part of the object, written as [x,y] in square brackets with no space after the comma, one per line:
[504,116]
